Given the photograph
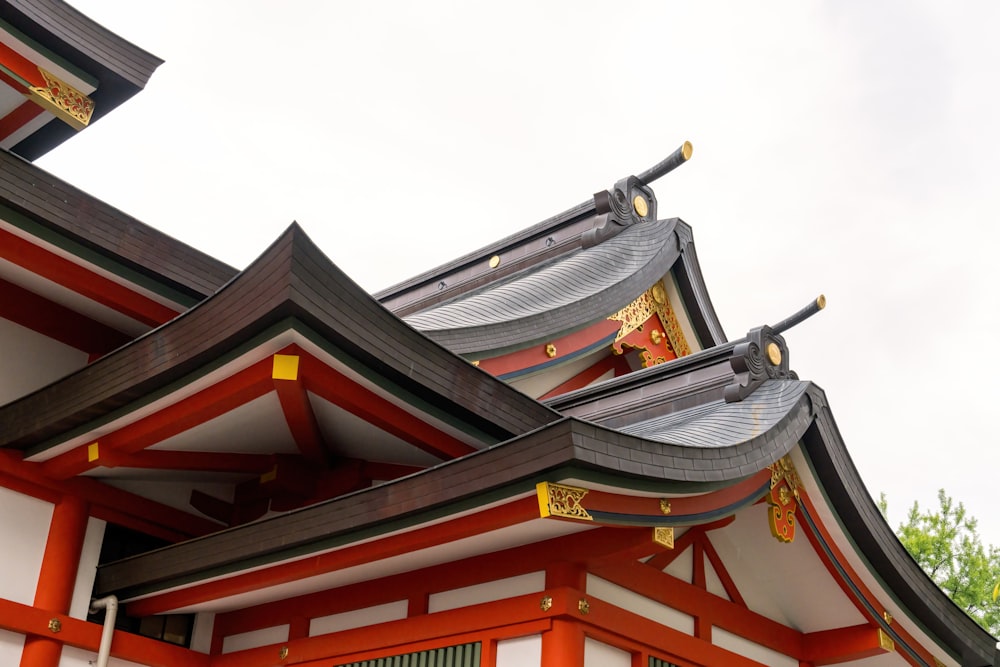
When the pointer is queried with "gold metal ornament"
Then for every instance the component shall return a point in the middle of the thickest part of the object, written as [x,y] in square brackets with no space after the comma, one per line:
[664,505]
[55,625]
[494,261]
[655,336]
[283,653]
[550,350]
[62,100]
[546,603]
[774,354]
[641,206]
[887,616]
[687,150]
[561,501]
[664,537]
[583,606]
[885,641]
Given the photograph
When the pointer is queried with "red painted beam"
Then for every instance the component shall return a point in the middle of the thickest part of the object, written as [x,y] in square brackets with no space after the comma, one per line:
[340,390]
[720,570]
[302,421]
[19,117]
[537,355]
[467,526]
[21,67]
[31,621]
[831,647]
[225,395]
[83,281]
[56,321]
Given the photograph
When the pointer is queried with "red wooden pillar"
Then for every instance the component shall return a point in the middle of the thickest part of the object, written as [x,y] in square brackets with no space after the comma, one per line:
[57,577]
[562,646]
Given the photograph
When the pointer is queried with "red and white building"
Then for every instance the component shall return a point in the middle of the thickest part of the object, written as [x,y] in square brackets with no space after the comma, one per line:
[546,452]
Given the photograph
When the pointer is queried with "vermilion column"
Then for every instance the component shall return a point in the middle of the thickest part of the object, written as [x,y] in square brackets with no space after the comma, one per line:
[562,646]
[57,577]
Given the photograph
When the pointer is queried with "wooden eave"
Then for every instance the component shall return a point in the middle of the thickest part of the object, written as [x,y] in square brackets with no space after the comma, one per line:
[292,281]
[564,446]
[71,213]
[121,68]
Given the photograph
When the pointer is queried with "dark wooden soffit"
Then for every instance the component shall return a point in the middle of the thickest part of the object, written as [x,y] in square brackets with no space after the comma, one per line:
[121,68]
[291,281]
[889,560]
[569,445]
[70,212]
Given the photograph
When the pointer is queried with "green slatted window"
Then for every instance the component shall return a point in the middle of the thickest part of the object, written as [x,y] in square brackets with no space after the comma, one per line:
[464,655]
[656,662]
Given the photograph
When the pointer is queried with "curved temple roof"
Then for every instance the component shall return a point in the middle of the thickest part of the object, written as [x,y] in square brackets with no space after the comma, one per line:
[565,294]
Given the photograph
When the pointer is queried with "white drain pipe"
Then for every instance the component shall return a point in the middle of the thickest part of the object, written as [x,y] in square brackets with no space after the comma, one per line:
[110,605]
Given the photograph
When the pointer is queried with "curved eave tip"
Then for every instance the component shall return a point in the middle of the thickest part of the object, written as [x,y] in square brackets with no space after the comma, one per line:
[821,301]
[687,150]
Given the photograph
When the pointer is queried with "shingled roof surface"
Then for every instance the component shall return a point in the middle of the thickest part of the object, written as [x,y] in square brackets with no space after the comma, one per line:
[562,295]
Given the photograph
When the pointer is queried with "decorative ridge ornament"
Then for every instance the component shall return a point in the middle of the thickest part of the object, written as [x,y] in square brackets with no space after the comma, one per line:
[631,200]
[783,499]
[63,100]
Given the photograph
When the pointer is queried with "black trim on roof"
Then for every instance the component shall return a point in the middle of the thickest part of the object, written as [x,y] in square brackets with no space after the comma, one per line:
[890,561]
[121,68]
[68,211]
[293,280]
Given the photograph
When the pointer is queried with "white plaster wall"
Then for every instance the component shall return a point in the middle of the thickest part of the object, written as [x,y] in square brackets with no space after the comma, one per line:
[749,649]
[30,360]
[201,633]
[533,582]
[255,639]
[358,618]
[638,604]
[75,657]
[599,654]
[28,519]
[11,645]
[520,651]
[87,571]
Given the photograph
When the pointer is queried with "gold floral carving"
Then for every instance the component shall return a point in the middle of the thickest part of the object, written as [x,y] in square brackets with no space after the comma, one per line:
[885,641]
[562,501]
[63,100]
[664,537]
[653,301]
[783,499]
[664,505]
[546,603]
[584,606]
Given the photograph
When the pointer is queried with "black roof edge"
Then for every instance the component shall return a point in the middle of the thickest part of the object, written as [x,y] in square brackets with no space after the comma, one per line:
[691,283]
[887,557]
[122,68]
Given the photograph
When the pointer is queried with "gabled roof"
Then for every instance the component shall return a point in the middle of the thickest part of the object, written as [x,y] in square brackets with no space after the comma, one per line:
[291,284]
[512,292]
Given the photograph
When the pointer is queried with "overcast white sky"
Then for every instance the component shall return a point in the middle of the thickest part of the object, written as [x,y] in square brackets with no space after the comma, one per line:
[850,148]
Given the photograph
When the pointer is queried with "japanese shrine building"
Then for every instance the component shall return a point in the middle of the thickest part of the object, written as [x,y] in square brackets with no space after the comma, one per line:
[546,452]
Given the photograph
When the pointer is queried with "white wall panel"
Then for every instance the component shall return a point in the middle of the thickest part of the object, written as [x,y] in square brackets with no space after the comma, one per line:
[599,654]
[533,582]
[262,637]
[520,652]
[358,618]
[638,604]
[28,519]
[31,360]
[87,571]
[201,633]
[749,649]
[74,657]
[11,644]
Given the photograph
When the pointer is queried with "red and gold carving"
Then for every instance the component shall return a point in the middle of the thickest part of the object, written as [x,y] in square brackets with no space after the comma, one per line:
[63,100]
[650,326]
[783,499]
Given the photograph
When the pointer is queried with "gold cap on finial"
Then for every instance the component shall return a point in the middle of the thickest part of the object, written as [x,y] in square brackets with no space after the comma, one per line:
[821,301]
[686,150]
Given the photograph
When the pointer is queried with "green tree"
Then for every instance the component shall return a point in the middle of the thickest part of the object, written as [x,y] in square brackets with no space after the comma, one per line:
[946,544]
